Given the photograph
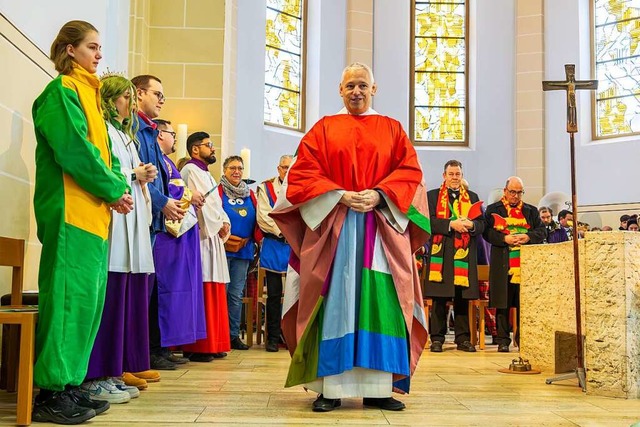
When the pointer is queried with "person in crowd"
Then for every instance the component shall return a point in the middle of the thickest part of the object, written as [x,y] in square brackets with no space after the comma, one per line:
[239,202]
[274,253]
[354,211]
[510,223]
[124,323]
[214,229]
[151,99]
[632,225]
[623,222]
[456,222]
[565,219]
[176,255]
[78,181]
[554,233]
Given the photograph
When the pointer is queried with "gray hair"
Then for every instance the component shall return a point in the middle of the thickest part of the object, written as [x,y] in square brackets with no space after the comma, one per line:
[358,66]
[284,157]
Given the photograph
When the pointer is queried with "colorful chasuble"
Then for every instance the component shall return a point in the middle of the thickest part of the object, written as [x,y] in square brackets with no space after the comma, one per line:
[515,223]
[461,208]
[352,296]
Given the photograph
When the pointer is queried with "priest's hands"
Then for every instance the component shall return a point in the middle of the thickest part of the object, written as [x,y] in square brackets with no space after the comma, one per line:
[461,225]
[224,230]
[361,201]
[197,199]
[516,239]
[172,211]
[146,173]
[123,205]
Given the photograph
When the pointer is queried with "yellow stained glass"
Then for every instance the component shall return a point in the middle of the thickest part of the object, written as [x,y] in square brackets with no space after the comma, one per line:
[617,64]
[440,71]
[283,63]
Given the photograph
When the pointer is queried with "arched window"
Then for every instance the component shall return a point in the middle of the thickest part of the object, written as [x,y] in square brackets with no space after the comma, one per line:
[439,103]
[284,64]
[616,58]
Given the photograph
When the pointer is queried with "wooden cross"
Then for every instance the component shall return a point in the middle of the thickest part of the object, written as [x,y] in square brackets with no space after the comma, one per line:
[570,85]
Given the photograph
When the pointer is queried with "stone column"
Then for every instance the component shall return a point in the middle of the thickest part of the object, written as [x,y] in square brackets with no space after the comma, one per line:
[530,159]
[360,31]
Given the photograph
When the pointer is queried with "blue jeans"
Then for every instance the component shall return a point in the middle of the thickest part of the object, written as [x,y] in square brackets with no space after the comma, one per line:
[235,289]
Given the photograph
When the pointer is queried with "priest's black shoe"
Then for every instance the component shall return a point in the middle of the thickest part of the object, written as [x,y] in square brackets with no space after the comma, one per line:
[201,357]
[271,346]
[159,363]
[436,347]
[387,403]
[58,408]
[81,398]
[323,404]
[237,344]
[167,354]
[219,355]
[466,346]
[503,348]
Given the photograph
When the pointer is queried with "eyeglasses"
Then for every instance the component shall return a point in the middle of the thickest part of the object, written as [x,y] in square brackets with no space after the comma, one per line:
[515,193]
[286,168]
[157,93]
[173,134]
[208,144]
[235,168]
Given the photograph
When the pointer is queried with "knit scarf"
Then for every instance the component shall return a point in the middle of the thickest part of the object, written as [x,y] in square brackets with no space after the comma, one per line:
[239,191]
[514,223]
[444,210]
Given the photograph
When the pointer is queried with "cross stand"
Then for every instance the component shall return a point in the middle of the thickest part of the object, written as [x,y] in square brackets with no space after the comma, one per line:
[570,85]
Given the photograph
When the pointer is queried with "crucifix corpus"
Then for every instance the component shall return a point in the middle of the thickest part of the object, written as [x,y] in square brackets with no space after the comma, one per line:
[570,85]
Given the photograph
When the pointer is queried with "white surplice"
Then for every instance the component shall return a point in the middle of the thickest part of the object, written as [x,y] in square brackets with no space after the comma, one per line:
[210,219]
[129,241]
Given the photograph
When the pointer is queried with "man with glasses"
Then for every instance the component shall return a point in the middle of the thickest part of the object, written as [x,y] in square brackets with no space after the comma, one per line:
[150,102]
[510,223]
[456,221]
[214,228]
[179,313]
[275,251]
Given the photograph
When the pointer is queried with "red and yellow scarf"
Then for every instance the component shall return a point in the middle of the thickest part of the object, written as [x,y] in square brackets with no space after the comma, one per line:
[514,223]
[461,207]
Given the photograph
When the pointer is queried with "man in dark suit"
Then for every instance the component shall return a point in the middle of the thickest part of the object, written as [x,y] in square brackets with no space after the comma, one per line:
[510,223]
[453,256]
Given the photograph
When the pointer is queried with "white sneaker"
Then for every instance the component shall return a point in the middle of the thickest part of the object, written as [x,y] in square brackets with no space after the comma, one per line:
[104,390]
[120,385]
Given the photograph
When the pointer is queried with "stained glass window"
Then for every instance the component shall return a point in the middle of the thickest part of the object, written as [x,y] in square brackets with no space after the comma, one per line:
[439,111]
[283,88]
[616,56]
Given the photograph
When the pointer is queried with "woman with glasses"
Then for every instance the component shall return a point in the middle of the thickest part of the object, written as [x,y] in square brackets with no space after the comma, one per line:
[239,202]
[78,181]
[124,324]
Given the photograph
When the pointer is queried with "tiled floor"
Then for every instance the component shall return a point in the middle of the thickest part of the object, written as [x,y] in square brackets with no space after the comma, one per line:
[449,389]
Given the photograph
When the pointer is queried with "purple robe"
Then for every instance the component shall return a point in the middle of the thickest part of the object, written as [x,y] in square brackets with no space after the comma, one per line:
[179,274]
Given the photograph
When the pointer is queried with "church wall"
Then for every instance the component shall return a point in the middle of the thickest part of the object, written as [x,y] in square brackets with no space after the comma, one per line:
[490,157]
[607,171]
[186,52]
[326,55]
[27,33]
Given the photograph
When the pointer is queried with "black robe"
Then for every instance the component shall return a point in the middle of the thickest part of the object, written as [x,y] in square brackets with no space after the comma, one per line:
[499,263]
[441,226]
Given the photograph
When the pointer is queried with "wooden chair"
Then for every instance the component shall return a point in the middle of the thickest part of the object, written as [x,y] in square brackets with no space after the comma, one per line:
[23,326]
[261,332]
[476,311]
[248,312]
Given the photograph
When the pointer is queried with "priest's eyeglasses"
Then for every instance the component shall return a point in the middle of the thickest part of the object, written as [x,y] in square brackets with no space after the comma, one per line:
[206,144]
[173,134]
[157,93]
[515,193]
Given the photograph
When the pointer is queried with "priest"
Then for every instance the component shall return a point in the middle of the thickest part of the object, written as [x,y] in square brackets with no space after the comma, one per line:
[354,210]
